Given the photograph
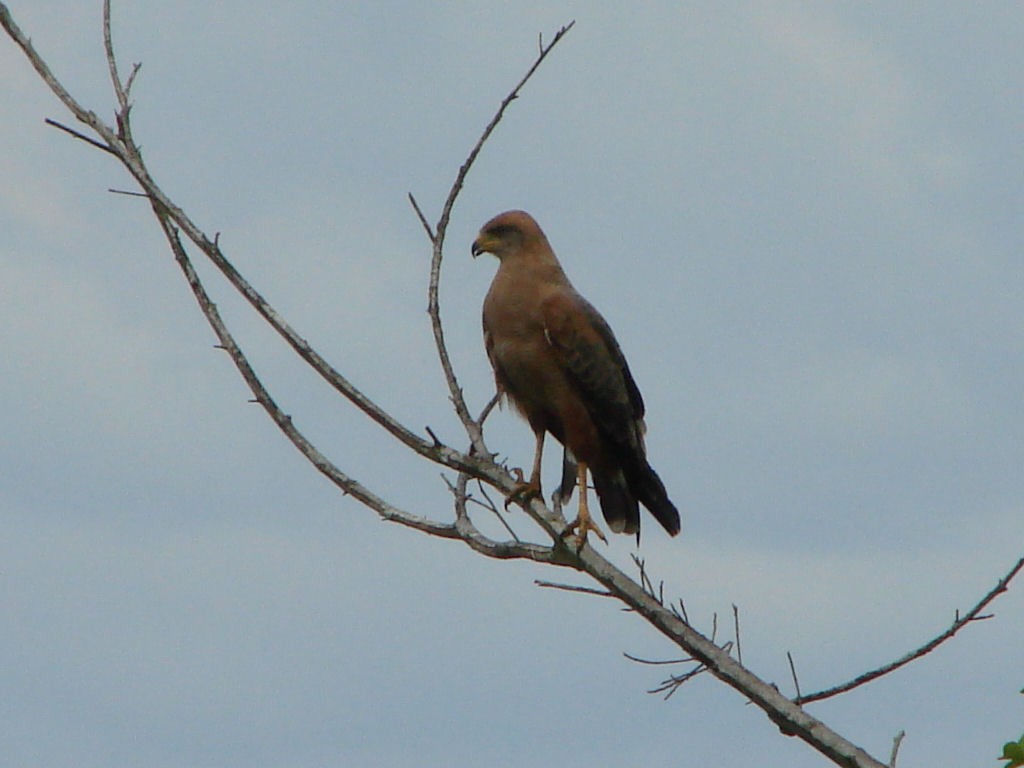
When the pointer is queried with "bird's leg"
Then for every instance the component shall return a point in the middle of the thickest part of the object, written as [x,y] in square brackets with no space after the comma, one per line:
[524,491]
[583,522]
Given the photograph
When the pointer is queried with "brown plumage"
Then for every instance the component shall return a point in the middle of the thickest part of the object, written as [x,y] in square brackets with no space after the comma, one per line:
[557,360]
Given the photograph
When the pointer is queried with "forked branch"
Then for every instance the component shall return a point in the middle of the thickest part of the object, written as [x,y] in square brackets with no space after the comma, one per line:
[437,239]
[119,143]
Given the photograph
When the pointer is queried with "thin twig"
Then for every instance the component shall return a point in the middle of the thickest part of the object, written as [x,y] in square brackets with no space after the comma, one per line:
[81,136]
[422,218]
[736,629]
[487,497]
[674,683]
[792,671]
[655,662]
[433,436]
[491,507]
[504,523]
[645,580]
[573,588]
[495,399]
[896,742]
[682,611]
[460,177]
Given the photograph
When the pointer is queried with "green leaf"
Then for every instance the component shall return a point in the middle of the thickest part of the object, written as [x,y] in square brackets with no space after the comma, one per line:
[1014,752]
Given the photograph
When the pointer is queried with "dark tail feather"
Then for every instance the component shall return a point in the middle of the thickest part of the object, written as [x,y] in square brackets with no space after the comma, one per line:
[568,482]
[648,488]
[618,504]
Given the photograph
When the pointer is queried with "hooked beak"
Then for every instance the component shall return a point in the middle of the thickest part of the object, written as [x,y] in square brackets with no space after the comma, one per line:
[485,243]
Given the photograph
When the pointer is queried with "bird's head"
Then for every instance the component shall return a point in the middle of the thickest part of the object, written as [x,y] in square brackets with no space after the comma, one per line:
[507,233]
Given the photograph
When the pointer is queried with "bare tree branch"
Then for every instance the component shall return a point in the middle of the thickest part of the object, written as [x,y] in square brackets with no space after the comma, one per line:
[959,623]
[473,428]
[462,529]
[786,714]
[129,155]
[226,341]
[502,550]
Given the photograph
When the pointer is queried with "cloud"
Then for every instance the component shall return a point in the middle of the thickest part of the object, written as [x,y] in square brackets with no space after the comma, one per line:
[849,84]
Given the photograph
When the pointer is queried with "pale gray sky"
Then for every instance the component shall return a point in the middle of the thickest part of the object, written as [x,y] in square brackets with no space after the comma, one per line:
[803,221]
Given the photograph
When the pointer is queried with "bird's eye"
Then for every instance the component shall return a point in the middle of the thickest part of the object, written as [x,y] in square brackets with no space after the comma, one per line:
[501,231]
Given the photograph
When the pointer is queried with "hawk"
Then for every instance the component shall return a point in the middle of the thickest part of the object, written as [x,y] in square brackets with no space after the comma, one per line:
[556,359]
